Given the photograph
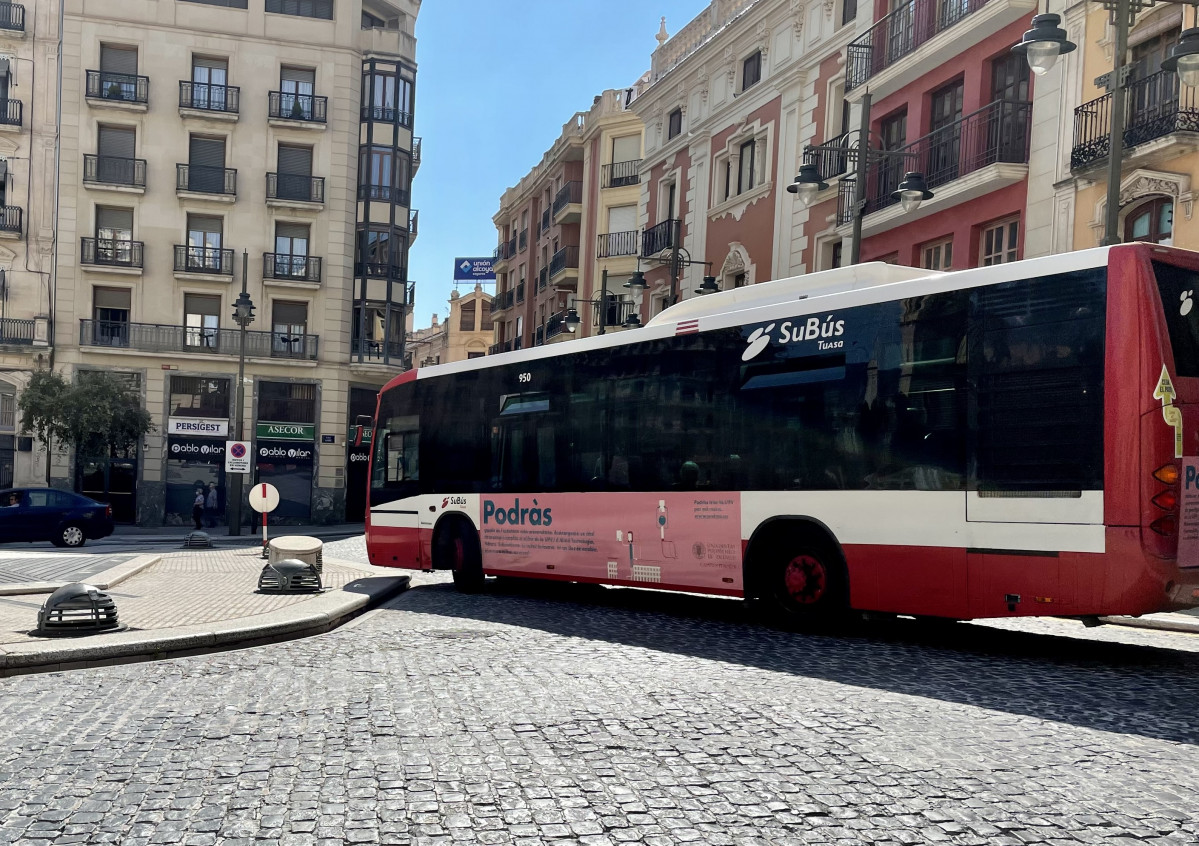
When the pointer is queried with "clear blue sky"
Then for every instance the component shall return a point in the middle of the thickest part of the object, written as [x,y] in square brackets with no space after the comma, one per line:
[496,81]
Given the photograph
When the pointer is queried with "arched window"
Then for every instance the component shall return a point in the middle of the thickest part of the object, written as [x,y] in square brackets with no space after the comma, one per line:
[1152,221]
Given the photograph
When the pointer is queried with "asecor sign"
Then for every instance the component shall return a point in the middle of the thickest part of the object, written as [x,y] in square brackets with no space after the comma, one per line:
[287,431]
[204,426]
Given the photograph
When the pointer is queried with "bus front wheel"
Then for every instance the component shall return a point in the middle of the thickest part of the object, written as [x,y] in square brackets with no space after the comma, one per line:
[457,550]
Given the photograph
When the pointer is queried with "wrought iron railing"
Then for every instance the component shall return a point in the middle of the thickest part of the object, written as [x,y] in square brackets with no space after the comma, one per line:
[283,105]
[415,154]
[291,268]
[619,174]
[114,170]
[385,193]
[899,33]
[387,114]
[556,325]
[413,223]
[502,300]
[539,336]
[207,97]
[832,158]
[543,279]
[569,194]
[122,87]
[524,240]
[110,252]
[189,259]
[501,347]
[16,331]
[618,244]
[10,219]
[520,291]
[203,179]
[660,236]
[997,133]
[295,186]
[11,112]
[12,16]
[1154,107]
[380,270]
[545,219]
[511,248]
[567,257]
[613,313]
[390,351]
[160,337]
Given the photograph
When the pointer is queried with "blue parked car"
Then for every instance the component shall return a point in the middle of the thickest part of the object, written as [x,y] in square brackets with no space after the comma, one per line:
[45,514]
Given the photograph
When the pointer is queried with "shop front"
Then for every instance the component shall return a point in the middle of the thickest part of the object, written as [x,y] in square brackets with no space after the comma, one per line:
[285,455]
[358,466]
[195,465]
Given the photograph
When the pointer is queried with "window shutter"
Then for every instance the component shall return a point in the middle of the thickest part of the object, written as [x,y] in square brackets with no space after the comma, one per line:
[295,160]
[118,59]
[204,223]
[626,149]
[206,152]
[298,75]
[117,142]
[290,314]
[201,304]
[291,230]
[111,298]
[622,219]
[118,220]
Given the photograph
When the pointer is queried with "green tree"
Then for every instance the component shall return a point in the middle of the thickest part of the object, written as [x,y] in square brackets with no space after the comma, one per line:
[96,414]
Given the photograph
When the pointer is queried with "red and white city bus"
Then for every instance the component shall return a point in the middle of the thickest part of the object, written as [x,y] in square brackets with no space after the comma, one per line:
[1009,440]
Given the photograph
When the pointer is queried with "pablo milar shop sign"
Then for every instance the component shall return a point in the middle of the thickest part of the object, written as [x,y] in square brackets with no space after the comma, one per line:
[287,431]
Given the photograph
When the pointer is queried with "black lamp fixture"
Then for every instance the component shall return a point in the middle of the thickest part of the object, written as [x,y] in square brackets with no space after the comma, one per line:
[243,310]
[708,286]
[636,283]
[912,191]
[632,321]
[1184,58]
[1042,44]
[572,320]
[807,184]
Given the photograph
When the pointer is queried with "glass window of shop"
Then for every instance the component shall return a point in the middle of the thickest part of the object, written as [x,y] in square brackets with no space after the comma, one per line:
[284,446]
[195,462]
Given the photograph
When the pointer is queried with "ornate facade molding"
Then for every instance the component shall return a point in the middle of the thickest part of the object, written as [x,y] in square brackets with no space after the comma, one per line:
[1142,184]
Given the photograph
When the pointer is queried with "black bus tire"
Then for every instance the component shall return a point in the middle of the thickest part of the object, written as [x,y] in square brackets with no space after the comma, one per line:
[456,549]
[804,582]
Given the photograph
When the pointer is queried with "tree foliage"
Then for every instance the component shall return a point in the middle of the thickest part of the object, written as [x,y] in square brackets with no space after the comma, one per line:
[97,414]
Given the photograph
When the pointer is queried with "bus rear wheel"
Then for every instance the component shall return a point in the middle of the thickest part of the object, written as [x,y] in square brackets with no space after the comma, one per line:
[805,583]
[457,550]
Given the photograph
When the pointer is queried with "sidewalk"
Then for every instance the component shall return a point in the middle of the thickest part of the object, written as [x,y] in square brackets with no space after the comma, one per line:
[220,534]
[190,602]
[1184,623]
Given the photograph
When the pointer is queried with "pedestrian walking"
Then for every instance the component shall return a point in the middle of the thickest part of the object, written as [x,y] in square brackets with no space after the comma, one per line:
[210,505]
[198,508]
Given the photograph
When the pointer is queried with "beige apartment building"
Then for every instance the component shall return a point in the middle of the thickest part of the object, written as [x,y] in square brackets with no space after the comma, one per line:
[28,105]
[572,216]
[466,333]
[211,144]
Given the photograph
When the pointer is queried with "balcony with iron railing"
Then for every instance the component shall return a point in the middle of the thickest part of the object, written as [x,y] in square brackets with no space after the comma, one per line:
[564,267]
[10,219]
[889,55]
[997,135]
[539,336]
[12,112]
[165,338]
[543,279]
[619,174]
[377,352]
[415,155]
[661,236]
[413,224]
[380,270]
[111,252]
[303,109]
[202,179]
[284,267]
[520,291]
[524,240]
[122,89]
[568,203]
[387,114]
[214,100]
[503,300]
[555,326]
[1156,107]
[614,244]
[16,331]
[546,222]
[287,188]
[12,17]
[613,313]
[501,347]
[115,171]
[211,261]
[832,158]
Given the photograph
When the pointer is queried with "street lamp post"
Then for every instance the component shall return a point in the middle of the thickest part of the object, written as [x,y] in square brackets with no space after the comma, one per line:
[1042,44]
[243,315]
[910,193]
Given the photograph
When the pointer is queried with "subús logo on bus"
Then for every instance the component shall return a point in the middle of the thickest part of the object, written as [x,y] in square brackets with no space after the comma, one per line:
[823,332]
[516,516]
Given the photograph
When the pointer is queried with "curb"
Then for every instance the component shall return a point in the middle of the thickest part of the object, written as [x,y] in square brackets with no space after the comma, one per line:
[104,580]
[1181,623]
[316,616]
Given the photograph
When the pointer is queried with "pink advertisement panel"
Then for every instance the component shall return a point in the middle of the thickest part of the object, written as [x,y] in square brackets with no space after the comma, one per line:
[674,539]
[1188,510]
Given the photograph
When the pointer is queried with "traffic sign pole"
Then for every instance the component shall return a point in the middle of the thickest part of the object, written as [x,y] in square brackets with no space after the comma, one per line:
[264,513]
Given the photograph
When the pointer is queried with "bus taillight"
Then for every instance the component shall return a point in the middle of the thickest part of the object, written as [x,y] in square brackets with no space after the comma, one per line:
[1167,474]
[1166,500]
[1167,525]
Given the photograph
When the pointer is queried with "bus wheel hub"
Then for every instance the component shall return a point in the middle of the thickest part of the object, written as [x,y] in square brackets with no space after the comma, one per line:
[805,579]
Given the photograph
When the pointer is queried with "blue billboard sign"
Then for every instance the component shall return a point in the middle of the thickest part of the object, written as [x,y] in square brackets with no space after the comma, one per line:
[473,270]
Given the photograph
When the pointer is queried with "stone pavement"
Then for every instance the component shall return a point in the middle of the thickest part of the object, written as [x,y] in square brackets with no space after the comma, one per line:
[559,714]
[185,602]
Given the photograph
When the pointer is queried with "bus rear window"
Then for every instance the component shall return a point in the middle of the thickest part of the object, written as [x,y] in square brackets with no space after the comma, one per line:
[1178,287]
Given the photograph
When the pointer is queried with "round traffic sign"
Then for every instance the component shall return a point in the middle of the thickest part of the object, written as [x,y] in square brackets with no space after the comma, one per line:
[264,497]
[238,450]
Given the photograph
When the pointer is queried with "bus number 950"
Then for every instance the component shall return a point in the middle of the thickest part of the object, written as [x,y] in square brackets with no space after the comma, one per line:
[524,377]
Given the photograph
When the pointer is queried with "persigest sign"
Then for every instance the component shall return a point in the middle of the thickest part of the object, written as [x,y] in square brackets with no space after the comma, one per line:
[287,431]
[204,426]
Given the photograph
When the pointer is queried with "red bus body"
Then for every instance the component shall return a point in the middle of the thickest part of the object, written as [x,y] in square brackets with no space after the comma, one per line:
[957,554]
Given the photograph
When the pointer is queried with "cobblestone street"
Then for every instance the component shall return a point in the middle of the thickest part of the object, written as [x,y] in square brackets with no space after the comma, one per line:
[567,714]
